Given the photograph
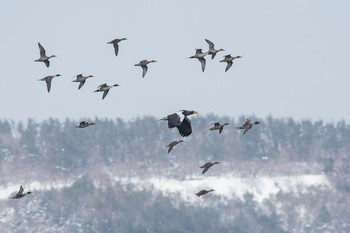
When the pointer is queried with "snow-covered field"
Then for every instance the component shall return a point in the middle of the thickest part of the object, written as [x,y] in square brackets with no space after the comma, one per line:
[226,186]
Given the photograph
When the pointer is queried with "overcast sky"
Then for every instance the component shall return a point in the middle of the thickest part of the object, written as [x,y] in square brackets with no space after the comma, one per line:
[295,58]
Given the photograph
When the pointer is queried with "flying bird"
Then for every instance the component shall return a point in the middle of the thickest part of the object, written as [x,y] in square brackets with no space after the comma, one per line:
[203,192]
[20,193]
[200,56]
[115,43]
[172,144]
[81,79]
[218,126]
[248,125]
[105,89]
[43,57]
[184,126]
[144,66]
[228,58]
[207,165]
[212,50]
[48,80]
[84,124]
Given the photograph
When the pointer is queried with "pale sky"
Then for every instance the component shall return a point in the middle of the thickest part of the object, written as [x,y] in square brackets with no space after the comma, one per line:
[295,58]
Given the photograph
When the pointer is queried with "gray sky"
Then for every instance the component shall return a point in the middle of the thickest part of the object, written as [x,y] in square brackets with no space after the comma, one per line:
[295,58]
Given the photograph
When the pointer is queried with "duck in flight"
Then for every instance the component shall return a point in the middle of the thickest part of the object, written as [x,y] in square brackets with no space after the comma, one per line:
[184,126]
[84,124]
[212,50]
[48,80]
[81,79]
[43,57]
[172,144]
[200,56]
[229,59]
[206,166]
[105,89]
[218,126]
[203,192]
[248,125]
[144,66]
[115,44]
[20,193]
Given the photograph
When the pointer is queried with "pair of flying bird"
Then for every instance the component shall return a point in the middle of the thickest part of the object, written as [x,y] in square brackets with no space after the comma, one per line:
[143,63]
[205,167]
[102,88]
[200,55]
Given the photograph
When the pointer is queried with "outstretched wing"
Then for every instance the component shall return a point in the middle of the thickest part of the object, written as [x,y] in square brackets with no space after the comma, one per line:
[105,93]
[42,50]
[116,48]
[173,120]
[47,63]
[205,170]
[229,64]
[144,71]
[20,192]
[185,129]
[48,84]
[81,84]
[202,61]
[211,44]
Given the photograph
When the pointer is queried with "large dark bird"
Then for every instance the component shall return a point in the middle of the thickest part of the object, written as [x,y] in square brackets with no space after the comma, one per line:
[203,192]
[184,126]
[207,165]
[20,194]
[248,125]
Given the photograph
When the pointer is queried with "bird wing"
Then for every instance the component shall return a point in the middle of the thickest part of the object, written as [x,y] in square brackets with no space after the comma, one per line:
[211,44]
[213,55]
[171,146]
[81,84]
[185,128]
[105,93]
[221,128]
[229,64]
[144,71]
[246,128]
[47,63]
[48,84]
[42,50]
[202,61]
[205,169]
[116,48]
[20,192]
[173,120]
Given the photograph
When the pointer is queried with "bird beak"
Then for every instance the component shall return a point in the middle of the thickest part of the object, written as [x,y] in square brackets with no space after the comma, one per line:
[195,112]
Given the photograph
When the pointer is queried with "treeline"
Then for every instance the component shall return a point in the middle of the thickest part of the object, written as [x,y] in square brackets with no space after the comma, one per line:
[60,145]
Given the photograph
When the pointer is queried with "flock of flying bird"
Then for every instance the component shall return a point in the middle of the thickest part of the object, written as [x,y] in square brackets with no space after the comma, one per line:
[174,120]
